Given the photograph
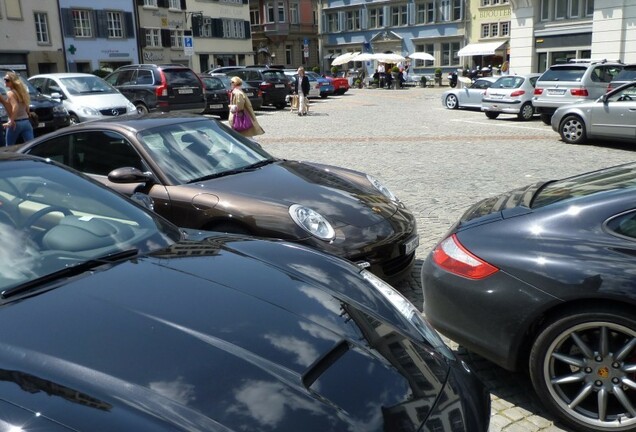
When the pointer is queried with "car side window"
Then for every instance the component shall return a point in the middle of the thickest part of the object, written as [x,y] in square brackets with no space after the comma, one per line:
[144,77]
[626,95]
[126,77]
[624,225]
[112,78]
[57,149]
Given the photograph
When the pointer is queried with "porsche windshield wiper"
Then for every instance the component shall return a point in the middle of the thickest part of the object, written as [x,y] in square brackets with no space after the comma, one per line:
[71,270]
[251,167]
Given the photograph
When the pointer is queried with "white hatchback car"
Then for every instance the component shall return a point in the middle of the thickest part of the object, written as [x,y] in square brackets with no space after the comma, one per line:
[510,94]
[85,96]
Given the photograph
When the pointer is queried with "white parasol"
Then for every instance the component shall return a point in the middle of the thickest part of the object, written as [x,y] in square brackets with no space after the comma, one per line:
[389,58]
[344,58]
[364,57]
[421,56]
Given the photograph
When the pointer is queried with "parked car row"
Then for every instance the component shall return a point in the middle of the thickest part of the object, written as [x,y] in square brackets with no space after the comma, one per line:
[305,321]
[581,100]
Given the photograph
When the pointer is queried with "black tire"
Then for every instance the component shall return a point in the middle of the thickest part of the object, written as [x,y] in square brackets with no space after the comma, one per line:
[526,112]
[492,115]
[74,119]
[280,105]
[546,118]
[451,102]
[141,109]
[578,358]
[572,130]
[323,95]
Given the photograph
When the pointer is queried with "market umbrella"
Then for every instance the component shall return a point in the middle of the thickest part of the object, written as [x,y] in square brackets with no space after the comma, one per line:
[344,58]
[389,58]
[364,57]
[421,56]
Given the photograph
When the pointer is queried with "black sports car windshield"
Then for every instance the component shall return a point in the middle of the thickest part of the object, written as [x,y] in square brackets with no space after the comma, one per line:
[191,151]
[620,177]
[52,219]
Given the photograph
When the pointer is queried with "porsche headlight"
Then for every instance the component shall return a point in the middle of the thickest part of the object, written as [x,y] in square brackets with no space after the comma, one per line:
[409,312]
[312,222]
[381,188]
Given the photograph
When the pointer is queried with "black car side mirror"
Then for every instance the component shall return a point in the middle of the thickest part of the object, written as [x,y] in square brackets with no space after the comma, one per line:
[129,175]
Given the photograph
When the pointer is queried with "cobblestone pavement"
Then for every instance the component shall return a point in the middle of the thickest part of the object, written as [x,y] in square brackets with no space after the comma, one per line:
[438,162]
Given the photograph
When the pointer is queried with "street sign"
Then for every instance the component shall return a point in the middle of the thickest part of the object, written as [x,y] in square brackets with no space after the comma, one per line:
[188,45]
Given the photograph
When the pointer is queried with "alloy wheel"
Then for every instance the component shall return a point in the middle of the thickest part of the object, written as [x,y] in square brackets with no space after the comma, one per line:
[572,130]
[587,370]
[451,101]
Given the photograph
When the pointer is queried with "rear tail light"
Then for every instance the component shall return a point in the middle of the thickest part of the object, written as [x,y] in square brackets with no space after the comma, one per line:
[609,87]
[162,90]
[454,258]
[517,93]
[538,91]
[579,92]
[265,85]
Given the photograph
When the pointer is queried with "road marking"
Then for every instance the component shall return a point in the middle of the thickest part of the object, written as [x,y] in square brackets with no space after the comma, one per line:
[481,123]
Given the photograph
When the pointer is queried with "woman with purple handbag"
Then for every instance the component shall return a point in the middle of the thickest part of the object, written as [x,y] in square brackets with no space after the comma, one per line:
[242,118]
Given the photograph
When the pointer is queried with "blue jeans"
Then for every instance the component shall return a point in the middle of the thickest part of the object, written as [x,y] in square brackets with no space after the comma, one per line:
[22,129]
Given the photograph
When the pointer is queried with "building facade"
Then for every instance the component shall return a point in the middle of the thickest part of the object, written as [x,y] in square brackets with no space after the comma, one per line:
[437,27]
[285,32]
[162,25]
[30,38]
[222,33]
[547,32]
[100,36]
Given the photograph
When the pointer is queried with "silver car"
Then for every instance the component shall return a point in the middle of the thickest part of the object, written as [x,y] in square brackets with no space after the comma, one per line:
[510,94]
[611,117]
[467,97]
[573,82]
[85,96]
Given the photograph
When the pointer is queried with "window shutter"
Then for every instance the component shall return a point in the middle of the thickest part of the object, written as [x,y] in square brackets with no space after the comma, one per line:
[67,22]
[341,21]
[324,22]
[248,29]
[386,16]
[165,38]
[364,18]
[101,24]
[217,27]
[142,37]
[130,25]
[196,25]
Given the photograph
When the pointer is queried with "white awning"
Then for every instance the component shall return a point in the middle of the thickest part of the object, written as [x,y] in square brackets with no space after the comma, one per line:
[480,49]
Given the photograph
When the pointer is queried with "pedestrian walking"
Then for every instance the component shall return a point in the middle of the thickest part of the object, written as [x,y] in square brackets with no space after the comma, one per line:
[17,106]
[242,118]
[301,88]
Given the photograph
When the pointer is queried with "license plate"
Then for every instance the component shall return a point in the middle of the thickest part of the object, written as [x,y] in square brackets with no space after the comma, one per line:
[556,92]
[279,85]
[186,91]
[41,125]
[216,106]
[496,96]
[411,245]
[249,94]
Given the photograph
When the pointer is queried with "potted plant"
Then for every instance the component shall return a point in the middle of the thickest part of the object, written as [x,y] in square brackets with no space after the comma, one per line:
[423,81]
[358,83]
[316,69]
[334,70]
[438,76]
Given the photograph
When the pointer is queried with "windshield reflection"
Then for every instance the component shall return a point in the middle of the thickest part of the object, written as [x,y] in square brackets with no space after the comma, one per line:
[52,219]
[194,150]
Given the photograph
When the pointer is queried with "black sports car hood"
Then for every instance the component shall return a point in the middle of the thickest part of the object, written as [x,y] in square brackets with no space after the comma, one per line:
[239,342]
[341,195]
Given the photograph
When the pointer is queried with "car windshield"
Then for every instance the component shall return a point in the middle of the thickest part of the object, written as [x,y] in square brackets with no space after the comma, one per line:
[508,82]
[621,177]
[52,220]
[274,74]
[32,90]
[197,150]
[213,83]
[82,85]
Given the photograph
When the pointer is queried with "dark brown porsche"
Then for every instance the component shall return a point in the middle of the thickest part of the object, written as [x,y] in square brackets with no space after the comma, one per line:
[200,174]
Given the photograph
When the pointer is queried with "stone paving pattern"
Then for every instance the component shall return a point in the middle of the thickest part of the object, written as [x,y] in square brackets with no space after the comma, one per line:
[438,162]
